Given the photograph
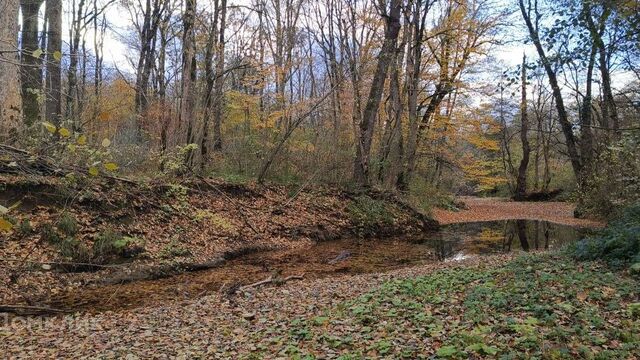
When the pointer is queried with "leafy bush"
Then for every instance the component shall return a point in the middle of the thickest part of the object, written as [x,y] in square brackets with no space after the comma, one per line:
[425,196]
[618,244]
[24,227]
[109,244]
[615,183]
[367,213]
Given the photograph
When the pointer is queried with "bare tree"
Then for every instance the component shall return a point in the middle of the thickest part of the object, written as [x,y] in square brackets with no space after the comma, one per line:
[531,15]
[521,181]
[391,15]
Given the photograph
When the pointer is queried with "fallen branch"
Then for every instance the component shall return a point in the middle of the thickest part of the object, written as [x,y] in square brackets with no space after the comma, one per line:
[272,280]
[26,309]
[58,263]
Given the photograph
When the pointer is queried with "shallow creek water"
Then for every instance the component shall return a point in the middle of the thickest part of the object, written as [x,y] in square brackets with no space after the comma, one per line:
[347,256]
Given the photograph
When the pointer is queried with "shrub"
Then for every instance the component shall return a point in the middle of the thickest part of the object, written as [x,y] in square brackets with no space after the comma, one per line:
[109,244]
[425,197]
[615,183]
[174,249]
[367,214]
[72,249]
[67,224]
[50,235]
[618,244]
[24,227]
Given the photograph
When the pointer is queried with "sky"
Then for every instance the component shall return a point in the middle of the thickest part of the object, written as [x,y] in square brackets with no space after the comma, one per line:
[117,54]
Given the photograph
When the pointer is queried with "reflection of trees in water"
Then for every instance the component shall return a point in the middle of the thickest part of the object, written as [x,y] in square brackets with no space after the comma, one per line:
[500,236]
[444,247]
[521,227]
[534,234]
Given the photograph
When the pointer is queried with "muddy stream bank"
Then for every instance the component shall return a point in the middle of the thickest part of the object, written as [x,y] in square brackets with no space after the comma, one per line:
[324,259]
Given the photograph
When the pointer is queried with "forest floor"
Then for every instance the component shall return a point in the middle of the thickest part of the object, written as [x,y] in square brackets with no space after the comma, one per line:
[373,303]
[490,209]
[68,236]
[536,305]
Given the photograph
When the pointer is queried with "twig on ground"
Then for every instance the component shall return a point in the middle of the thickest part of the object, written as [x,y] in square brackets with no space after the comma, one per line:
[272,279]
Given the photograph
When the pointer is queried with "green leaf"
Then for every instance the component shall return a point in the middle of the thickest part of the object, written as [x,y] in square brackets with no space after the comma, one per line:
[5,225]
[82,140]
[37,53]
[111,166]
[106,143]
[93,171]
[50,127]
[489,350]
[64,132]
[57,55]
[447,351]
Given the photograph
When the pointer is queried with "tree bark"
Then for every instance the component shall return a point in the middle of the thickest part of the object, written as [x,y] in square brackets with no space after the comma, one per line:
[31,72]
[367,123]
[565,124]
[521,181]
[187,103]
[53,13]
[10,100]
[219,81]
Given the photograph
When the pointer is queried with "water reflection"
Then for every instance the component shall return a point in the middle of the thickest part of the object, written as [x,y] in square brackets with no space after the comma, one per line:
[458,241]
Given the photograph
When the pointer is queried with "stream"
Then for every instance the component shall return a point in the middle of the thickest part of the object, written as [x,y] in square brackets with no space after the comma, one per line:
[347,256]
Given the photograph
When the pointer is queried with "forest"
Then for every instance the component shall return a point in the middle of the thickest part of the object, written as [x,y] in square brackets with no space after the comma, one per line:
[306,179]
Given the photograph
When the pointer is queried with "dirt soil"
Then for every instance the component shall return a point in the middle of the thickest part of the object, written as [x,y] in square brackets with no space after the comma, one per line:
[490,209]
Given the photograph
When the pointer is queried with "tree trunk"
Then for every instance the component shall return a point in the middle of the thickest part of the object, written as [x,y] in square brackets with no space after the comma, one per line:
[218,99]
[187,104]
[565,124]
[521,181]
[367,123]
[53,13]
[10,104]
[31,73]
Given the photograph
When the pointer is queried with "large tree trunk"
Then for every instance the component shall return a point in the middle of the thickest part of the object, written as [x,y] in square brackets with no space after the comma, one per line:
[413,66]
[53,86]
[75,33]
[609,110]
[10,101]
[521,181]
[31,74]
[146,61]
[367,123]
[187,104]
[218,94]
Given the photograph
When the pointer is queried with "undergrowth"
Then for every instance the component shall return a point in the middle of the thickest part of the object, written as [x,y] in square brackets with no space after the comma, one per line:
[618,244]
[536,306]
[368,214]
